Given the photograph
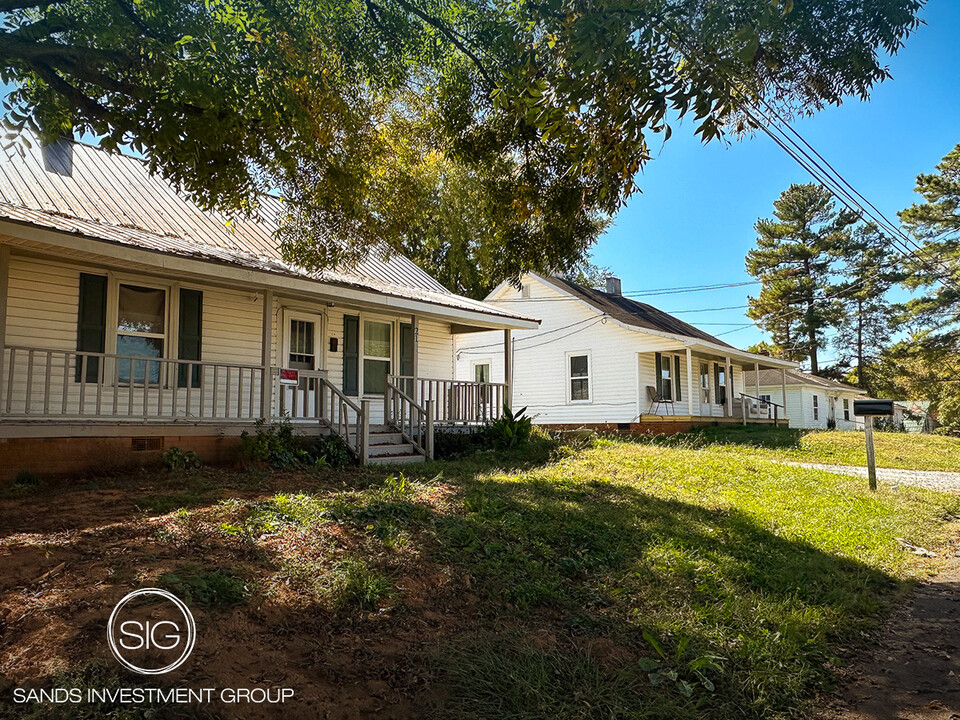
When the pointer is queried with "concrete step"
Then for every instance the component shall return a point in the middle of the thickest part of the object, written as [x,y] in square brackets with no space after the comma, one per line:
[391,449]
[395,459]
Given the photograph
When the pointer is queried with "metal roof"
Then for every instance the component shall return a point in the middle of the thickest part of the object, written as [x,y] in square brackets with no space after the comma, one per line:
[770,378]
[77,188]
[637,314]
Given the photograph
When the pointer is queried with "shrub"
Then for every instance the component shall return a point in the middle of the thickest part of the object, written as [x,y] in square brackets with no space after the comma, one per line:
[280,447]
[450,445]
[179,460]
[510,429]
[331,450]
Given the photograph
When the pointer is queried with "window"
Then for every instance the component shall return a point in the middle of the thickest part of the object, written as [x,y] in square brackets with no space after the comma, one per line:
[481,372]
[141,326]
[765,399]
[720,381]
[302,345]
[704,383]
[846,408]
[376,356]
[665,377]
[579,378]
[816,407]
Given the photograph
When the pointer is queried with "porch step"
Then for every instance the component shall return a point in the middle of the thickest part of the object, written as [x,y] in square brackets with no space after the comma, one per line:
[399,448]
[385,438]
[395,459]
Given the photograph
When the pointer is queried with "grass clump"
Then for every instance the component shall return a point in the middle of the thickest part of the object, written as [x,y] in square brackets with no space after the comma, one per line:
[214,589]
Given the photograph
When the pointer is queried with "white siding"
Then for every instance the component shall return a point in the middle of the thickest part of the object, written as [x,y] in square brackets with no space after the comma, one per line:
[621,362]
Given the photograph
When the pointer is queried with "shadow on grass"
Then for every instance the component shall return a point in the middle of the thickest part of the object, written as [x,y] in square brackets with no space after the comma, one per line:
[758,436]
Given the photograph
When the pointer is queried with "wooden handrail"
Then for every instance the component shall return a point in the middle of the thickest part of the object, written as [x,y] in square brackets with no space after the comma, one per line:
[414,421]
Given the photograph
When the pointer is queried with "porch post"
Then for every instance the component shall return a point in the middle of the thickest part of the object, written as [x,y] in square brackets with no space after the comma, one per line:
[783,392]
[756,387]
[728,381]
[4,288]
[689,382]
[507,368]
[414,385]
[266,357]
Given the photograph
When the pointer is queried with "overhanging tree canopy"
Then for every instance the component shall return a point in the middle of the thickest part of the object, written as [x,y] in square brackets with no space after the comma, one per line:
[544,107]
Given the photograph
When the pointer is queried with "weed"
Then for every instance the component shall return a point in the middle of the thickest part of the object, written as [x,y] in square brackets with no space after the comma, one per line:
[210,589]
[177,460]
[355,584]
[26,478]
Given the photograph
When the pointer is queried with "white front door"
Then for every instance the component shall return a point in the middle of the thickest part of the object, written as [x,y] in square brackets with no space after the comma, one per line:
[302,350]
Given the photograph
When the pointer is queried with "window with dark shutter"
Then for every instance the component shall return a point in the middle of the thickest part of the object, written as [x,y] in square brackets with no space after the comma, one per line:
[351,354]
[189,343]
[91,324]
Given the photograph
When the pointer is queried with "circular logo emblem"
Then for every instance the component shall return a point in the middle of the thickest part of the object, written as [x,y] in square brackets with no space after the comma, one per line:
[151,631]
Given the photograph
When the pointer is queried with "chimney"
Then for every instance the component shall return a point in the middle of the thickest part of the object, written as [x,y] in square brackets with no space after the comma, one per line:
[58,157]
[613,285]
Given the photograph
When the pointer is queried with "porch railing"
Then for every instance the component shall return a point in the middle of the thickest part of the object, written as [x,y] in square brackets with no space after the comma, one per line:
[757,408]
[62,384]
[455,401]
[414,421]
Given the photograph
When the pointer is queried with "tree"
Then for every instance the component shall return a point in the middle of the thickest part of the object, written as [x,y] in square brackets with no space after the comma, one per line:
[937,265]
[547,106]
[794,260]
[869,270]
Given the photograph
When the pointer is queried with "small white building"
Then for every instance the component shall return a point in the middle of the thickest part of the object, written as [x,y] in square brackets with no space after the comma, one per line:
[602,360]
[812,401]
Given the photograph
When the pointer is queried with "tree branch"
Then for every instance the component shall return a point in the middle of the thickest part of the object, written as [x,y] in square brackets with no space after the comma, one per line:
[57,83]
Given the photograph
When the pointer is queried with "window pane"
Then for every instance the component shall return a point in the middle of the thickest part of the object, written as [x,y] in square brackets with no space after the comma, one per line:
[141,309]
[302,346]
[482,373]
[578,366]
[138,347]
[375,376]
[579,389]
[376,339]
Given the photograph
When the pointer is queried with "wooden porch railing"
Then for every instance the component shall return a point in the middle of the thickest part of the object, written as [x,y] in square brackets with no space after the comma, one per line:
[41,384]
[765,409]
[414,421]
[455,401]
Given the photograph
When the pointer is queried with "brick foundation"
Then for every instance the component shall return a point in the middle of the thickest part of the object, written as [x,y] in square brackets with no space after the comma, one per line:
[81,455]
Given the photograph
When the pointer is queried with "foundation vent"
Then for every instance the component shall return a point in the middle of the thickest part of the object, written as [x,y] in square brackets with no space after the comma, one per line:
[146,443]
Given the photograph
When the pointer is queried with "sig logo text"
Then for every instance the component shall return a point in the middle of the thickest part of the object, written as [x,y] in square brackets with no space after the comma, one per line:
[151,631]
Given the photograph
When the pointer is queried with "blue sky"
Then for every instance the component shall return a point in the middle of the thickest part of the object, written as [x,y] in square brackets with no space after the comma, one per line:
[693,223]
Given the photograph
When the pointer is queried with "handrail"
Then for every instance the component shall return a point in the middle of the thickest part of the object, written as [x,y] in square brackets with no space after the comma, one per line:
[455,401]
[767,402]
[414,421]
[339,422]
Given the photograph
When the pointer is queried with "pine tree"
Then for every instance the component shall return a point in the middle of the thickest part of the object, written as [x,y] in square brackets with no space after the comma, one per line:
[795,258]
[869,271]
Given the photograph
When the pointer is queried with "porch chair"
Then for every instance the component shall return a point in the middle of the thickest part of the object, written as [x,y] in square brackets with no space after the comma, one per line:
[656,400]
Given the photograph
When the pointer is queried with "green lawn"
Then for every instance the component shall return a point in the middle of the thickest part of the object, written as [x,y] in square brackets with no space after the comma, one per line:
[894,450]
[623,580]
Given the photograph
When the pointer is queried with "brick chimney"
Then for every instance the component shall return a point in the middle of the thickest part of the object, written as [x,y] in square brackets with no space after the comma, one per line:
[613,285]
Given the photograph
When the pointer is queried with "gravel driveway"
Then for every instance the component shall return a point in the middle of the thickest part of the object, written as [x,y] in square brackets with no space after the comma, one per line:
[934,480]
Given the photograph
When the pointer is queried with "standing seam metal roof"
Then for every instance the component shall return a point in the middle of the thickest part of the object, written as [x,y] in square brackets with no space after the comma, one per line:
[78,188]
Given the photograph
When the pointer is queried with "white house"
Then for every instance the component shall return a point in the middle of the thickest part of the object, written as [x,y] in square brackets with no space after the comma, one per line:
[812,401]
[131,320]
[603,360]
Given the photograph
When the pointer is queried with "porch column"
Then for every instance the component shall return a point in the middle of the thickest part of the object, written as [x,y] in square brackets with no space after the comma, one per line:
[728,382]
[415,371]
[690,382]
[783,390]
[508,367]
[4,288]
[756,387]
[266,357]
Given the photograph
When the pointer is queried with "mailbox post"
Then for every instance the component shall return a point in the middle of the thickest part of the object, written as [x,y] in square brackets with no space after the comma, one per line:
[869,409]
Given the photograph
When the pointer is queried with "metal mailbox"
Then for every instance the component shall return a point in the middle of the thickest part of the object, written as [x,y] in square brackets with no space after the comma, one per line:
[873,407]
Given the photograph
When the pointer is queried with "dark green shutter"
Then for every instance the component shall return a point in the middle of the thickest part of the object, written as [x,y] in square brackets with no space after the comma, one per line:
[91,323]
[189,335]
[406,356]
[717,390]
[676,381]
[657,358]
[351,354]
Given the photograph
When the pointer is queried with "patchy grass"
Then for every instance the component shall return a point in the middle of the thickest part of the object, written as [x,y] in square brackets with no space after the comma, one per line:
[836,447]
[628,579]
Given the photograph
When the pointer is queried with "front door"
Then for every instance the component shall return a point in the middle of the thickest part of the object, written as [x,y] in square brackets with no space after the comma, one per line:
[302,352]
